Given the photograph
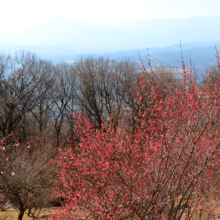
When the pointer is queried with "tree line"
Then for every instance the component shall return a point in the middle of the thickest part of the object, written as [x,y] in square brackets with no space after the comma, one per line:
[37,98]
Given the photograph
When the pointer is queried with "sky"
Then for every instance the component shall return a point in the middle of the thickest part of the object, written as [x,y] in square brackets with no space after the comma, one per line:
[19,14]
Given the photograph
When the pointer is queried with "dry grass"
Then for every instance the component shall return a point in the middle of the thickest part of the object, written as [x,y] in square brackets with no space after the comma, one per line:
[12,214]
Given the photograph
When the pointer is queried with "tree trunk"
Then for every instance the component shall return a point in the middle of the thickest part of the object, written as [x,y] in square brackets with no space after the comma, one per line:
[21,214]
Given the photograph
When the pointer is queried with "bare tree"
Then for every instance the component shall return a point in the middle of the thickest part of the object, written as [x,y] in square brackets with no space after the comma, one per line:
[99,89]
[61,97]
[41,112]
[28,184]
[19,77]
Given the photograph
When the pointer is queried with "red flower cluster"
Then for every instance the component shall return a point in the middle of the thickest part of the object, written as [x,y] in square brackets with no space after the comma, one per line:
[166,168]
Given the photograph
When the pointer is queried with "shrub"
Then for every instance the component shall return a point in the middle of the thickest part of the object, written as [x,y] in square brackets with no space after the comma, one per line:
[26,176]
[165,168]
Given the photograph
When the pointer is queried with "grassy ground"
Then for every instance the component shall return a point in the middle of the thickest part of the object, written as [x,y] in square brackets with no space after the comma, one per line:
[12,214]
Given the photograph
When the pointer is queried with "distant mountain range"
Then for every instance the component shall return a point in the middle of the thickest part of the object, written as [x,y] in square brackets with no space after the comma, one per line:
[202,56]
[63,39]
[171,31]
[61,31]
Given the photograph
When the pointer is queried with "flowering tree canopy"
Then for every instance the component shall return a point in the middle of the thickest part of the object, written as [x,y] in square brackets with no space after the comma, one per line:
[167,167]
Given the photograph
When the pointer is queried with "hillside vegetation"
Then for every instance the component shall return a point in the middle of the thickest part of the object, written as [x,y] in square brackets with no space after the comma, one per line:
[108,140]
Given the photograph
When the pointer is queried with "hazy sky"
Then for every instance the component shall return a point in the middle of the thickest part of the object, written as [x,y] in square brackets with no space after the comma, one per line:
[19,14]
